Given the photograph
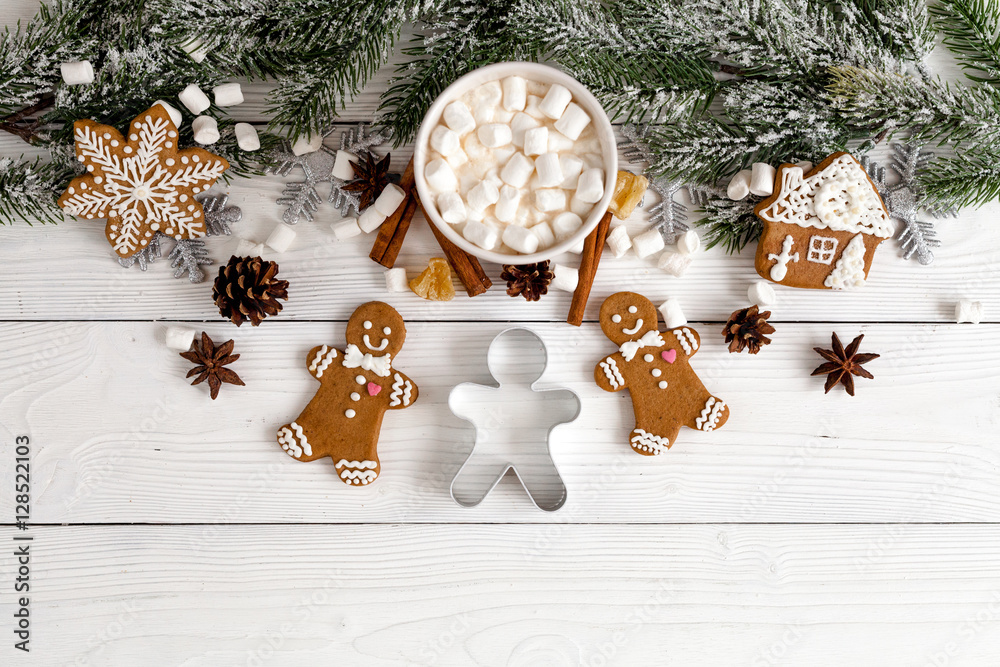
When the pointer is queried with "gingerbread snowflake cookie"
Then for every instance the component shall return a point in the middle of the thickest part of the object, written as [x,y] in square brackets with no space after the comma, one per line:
[357,386]
[141,184]
[655,368]
[821,229]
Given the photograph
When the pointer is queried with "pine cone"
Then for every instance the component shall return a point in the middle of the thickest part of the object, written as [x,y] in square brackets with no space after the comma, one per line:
[246,290]
[746,329]
[528,280]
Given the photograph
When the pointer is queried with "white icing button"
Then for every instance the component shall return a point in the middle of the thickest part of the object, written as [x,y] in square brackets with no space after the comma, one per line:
[387,331]
[648,357]
[355,396]
[656,372]
[663,384]
[360,379]
[350,414]
[633,309]
[616,318]
[367,325]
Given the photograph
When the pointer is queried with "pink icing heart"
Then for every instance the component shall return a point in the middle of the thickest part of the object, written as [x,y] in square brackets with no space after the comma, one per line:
[669,355]
[373,389]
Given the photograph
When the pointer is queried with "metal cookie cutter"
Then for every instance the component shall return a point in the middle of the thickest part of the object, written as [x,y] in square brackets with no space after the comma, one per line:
[514,423]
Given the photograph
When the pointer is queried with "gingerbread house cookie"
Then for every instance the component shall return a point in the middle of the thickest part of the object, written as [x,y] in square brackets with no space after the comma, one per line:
[821,229]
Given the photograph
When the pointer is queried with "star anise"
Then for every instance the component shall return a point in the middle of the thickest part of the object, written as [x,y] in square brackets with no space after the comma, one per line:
[370,178]
[842,365]
[211,362]
[528,280]
[746,330]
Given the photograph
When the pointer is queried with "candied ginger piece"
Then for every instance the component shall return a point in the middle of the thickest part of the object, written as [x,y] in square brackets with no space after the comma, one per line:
[629,189]
[434,283]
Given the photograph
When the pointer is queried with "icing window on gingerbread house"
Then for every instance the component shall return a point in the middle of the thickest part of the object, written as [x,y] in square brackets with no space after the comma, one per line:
[822,249]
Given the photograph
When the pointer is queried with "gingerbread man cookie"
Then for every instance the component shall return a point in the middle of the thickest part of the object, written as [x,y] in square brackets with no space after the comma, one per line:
[655,368]
[357,386]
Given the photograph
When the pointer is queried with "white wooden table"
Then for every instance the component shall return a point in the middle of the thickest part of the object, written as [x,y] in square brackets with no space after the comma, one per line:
[812,530]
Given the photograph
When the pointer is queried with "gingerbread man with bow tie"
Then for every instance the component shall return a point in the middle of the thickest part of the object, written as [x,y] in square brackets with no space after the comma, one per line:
[654,367]
[357,386]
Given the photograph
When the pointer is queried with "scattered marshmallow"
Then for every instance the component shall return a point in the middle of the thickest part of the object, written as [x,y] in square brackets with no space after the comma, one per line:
[370,219]
[968,312]
[550,173]
[179,338]
[648,243]
[762,179]
[590,188]
[458,117]
[674,263]
[571,167]
[228,95]
[619,241]
[451,207]
[507,204]
[536,141]
[246,137]
[518,170]
[688,243]
[445,141]
[78,73]
[247,248]
[175,116]
[761,294]
[396,281]
[481,234]
[521,239]
[494,135]
[515,93]
[206,130]
[482,195]
[519,125]
[565,225]
[440,176]
[739,186]
[194,99]
[673,315]
[805,165]
[550,199]
[555,101]
[573,121]
[390,199]
[546,237]
[342,168]
[346,229]
[281,238]
[307,144]
[565,278]
[196,50]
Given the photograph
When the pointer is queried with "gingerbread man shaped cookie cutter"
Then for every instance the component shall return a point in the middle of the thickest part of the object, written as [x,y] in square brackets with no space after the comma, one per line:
[509,418]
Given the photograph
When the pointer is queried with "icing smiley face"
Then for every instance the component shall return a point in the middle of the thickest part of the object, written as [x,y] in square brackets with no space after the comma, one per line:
[626,316]
[377,329]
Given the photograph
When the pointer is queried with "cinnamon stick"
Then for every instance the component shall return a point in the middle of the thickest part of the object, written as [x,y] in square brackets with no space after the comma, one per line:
[593,247]
[467,267]
[391,234]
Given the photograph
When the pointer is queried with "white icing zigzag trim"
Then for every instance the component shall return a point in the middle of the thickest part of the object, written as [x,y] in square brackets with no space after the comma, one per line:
[647,442]
[362,465]
[687,340]
[610,368]
[290,442]
[361,477]
[710,416]
[400,389]
[322,360]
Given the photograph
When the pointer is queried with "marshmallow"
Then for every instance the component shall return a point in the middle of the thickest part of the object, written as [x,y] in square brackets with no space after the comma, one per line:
[281,237]
[968,312]
[228,95]
[762,179]
[247,248]
[494,135]
[549,171]
[515,93]
[647,243]
[590,188]
[308,143]
[175,116]
[179,338]
[559,143]
[571,167]
[805,165]
[761,294]
[458,117]
[483,195]
[195,50]
[390,199]
[194,99]
[518,170]
[673,316]
[502,154]
[519,124]
[346,229]
[739,186]
[533,107]
[507,204]
[619,241]
[573,121]
[451,207]
[342,165]
[520,239]
[581,208]
[688,243]
[555,101]
[370,219]
[445,141]
[481,234]
[395,280]
[457,159]
[545,235]
[566,224]
[246,137]
[487,102]
[536,141]
[578,248]
[206,130]
[480,156]
[674,263]
[439,176]
[550,199]
[493,176]
[565,278]
[78,73]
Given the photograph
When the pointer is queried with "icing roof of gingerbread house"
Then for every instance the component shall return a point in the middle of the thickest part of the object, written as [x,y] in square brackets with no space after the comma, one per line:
[839,197]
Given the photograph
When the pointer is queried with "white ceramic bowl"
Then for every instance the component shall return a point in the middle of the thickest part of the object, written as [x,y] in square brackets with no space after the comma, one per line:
[532,72]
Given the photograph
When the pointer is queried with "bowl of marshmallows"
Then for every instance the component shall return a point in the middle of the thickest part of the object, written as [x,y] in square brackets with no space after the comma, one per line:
[515,163]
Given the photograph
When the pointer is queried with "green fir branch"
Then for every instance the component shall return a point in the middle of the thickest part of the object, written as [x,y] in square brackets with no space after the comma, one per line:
[730,224]
[971,30]
[970,179]
[29,189]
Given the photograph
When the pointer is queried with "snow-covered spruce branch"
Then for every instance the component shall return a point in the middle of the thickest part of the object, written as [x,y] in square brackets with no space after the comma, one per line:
[28,191]
[971,30]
